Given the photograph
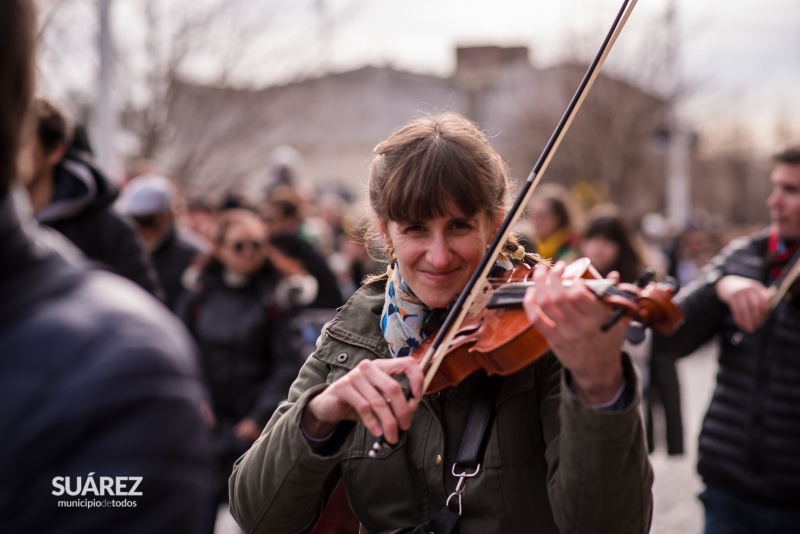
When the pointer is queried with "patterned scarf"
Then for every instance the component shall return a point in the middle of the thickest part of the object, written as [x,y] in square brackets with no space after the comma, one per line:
[403,316]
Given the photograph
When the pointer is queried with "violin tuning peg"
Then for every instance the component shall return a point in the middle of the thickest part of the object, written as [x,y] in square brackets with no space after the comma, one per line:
[673,283]
[645,278]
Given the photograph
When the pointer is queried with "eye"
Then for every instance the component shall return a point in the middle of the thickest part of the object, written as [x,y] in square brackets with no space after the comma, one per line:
[413,228]
[461,224]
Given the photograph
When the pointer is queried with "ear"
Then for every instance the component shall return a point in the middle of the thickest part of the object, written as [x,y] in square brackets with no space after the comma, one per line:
[384,231]
[498,221]
[55,157]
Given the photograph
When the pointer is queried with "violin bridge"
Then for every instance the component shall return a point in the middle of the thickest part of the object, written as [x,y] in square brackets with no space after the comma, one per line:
[479,303]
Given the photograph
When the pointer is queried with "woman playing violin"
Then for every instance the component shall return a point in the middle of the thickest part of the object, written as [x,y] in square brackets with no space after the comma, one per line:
[565,450]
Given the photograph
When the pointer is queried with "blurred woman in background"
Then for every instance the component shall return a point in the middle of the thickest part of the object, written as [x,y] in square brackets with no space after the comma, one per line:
[550,217]
[610,244]
[239,312]
[608,241]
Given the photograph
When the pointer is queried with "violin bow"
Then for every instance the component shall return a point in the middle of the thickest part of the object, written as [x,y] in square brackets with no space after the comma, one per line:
[785,280]
[434,356]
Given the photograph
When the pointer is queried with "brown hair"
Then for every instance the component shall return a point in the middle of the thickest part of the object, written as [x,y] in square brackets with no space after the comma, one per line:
[431,162]
[561,203]
[52,126]
[789,156]
[606,221]
[233,217]
[17,42]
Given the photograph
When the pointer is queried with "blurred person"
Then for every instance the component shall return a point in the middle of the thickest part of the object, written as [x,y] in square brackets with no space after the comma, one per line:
[240,313]
[693,247]
[353,262]
[749,446]
[551,219]
[234,198]
[71,195]
[610,244]
[201,218]
[148,201]
[99,382]
[566,452]
[282,213]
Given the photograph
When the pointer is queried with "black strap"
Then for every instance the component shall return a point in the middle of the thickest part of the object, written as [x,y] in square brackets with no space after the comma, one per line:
[470,455]
[476,435]
[444,522]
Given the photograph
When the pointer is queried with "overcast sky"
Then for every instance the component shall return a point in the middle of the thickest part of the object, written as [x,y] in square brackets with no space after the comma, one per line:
[740,58]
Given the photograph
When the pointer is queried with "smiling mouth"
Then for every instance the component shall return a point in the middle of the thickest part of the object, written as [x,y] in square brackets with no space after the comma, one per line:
[438,275]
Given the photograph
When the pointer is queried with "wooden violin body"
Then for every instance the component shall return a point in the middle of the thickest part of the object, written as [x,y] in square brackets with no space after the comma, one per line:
[499,337]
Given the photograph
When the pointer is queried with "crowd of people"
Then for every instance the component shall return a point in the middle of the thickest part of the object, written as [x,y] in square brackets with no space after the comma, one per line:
[244,352]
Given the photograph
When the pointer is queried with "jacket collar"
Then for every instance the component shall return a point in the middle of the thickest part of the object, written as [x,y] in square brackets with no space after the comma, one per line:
[79,186]
[358,321]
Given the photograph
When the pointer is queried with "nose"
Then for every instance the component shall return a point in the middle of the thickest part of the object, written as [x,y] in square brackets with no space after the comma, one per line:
[773,199]
[439,253]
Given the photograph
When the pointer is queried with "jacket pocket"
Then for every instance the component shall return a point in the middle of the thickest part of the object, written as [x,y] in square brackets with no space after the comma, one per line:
[382,490]
[363,441]
[340,357]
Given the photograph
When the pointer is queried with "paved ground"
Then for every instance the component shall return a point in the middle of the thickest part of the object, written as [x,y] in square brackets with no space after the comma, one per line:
[676,508]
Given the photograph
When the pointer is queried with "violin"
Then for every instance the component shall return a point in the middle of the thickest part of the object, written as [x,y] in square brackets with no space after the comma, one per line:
[498,336]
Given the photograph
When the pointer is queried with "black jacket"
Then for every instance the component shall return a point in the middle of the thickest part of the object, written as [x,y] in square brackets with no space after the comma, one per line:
[750,440]
[249,353]
[98,379]
[171,259]
[82,210]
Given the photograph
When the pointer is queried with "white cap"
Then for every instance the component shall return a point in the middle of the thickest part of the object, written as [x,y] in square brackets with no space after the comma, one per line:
[148,194]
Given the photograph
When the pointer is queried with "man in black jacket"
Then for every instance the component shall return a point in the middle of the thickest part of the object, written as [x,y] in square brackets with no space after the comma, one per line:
[100,421]
[148,200]
[70,194]
[749,450]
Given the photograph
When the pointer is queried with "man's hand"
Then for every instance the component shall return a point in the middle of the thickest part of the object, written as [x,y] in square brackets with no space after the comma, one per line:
[747,299]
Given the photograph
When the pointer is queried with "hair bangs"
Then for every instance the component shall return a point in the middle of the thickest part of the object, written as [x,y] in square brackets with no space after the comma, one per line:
[434,182]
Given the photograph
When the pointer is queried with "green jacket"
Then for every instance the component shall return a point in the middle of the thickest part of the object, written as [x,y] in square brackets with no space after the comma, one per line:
[552,463]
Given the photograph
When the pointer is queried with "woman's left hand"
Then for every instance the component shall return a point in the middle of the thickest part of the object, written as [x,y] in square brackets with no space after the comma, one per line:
[570,318]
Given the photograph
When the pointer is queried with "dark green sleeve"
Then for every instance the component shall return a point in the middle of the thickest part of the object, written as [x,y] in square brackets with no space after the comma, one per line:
[281,484]
[599,476]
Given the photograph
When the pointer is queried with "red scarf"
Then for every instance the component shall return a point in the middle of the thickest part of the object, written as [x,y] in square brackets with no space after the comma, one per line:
[778,254]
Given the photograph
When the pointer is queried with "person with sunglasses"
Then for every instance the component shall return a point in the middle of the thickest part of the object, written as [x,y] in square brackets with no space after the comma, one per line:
[240,312]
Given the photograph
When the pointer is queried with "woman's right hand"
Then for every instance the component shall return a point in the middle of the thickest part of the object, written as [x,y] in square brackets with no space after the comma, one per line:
[369,394]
